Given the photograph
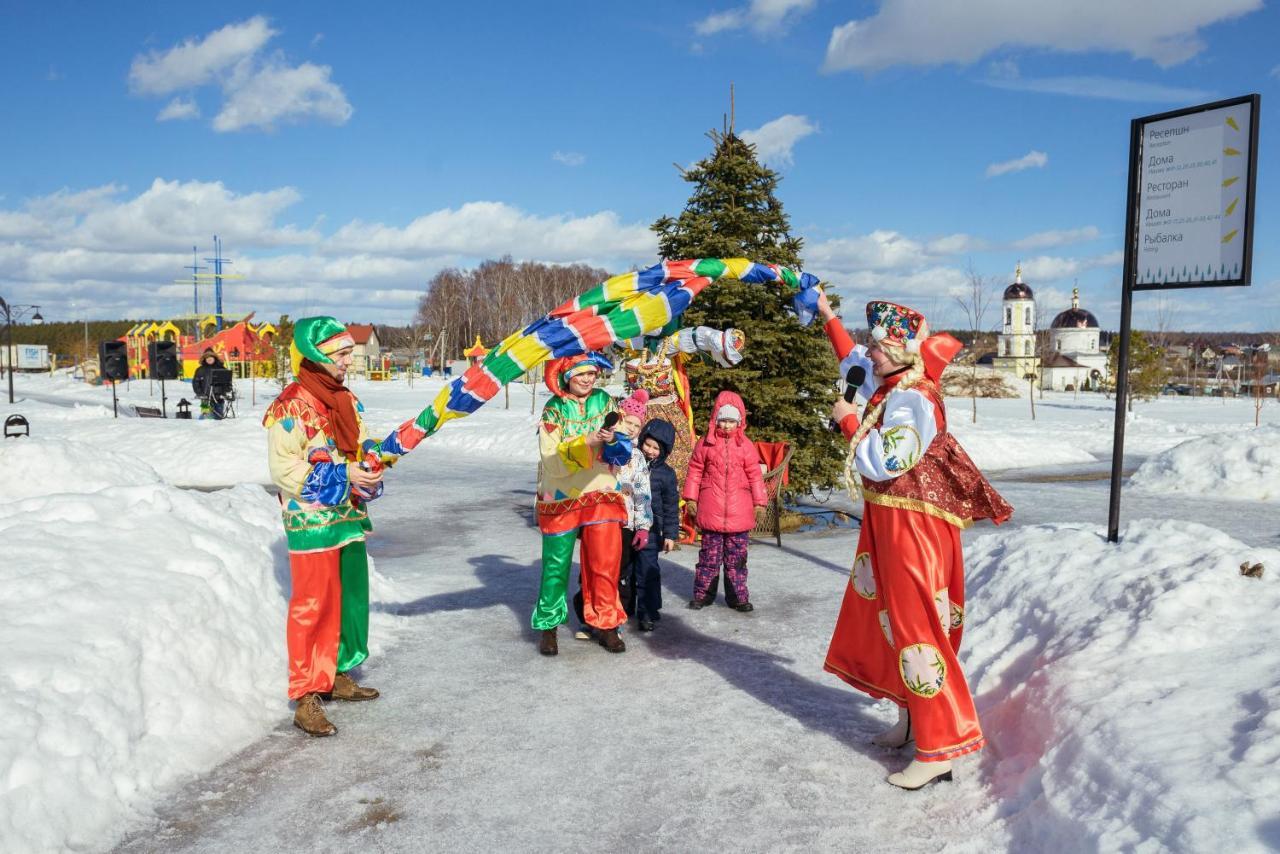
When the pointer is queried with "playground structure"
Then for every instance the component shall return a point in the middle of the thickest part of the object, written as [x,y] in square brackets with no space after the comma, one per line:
[246,348]
[475,353]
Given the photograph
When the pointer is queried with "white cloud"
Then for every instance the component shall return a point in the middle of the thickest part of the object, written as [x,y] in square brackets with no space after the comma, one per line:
[956,244]
[935,32]
[721,21]
[258,91]
[927,273]
[179,108]
[882,249]
[1030,160]
[1109,88]
[277,94]
[195,63]
[1059,237]
[118,253]
[569,158]
[66,203]
[1049,268]
[489,229]
[764,17]
[774,140]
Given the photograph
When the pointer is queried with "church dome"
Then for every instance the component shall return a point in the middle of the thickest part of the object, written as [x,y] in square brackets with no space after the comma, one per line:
[1074,317]
[1018,290]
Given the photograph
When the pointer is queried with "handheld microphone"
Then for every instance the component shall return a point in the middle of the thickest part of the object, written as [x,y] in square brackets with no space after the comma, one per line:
[610,419]
[853,380]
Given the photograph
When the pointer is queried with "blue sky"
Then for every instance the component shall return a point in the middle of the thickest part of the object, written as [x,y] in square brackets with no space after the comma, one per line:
[346,156]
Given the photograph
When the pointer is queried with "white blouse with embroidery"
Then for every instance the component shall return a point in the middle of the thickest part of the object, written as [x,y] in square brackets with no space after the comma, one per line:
[909,425]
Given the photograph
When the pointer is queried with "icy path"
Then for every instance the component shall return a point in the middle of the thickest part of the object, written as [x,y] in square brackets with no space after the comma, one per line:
[719,731]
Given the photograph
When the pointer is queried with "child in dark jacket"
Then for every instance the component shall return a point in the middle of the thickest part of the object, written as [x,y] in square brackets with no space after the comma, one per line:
[656,441]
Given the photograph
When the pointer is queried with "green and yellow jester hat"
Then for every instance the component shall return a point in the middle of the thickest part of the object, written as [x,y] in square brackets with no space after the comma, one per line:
[315,339]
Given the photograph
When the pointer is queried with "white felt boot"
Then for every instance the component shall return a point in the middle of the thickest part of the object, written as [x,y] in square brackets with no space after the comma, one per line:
[897,735]
[919,774]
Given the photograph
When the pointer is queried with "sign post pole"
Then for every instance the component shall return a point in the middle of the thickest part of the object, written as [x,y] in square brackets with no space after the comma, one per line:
[1126,317]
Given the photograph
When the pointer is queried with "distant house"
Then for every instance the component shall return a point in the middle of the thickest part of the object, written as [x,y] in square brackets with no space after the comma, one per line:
[1268,385]
[1061,372]
[367,355]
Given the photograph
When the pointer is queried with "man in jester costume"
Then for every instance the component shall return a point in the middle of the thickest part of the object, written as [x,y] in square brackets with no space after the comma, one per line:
[578,499]
[327,469]
[898,633]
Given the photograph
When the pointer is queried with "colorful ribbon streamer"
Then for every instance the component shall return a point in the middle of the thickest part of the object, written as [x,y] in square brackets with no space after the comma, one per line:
[626,306]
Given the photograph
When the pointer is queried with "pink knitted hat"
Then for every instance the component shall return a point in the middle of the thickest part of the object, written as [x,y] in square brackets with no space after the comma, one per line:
[634,405]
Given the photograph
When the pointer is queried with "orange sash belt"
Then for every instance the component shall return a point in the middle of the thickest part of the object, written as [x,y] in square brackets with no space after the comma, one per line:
[567,514]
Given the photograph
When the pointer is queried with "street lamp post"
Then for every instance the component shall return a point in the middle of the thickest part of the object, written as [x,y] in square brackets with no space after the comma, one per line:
[12,313]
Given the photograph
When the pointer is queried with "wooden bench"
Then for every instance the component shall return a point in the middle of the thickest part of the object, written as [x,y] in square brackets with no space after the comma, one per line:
[147,412]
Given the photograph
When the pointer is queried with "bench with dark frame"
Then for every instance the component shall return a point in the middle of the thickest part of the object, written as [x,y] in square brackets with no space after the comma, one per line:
[16,426]
[148,412]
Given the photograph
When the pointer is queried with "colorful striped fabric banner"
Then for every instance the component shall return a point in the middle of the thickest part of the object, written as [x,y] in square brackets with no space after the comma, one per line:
[626,306]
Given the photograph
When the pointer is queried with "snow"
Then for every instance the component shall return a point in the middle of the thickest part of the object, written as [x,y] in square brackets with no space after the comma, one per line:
[142,636]
[1244,467]
[1127,690]
[141,639]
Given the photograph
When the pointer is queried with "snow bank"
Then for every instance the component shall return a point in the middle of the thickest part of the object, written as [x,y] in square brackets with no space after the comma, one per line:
[35,467]
[1007,447]
[1128,690]
[142,638]
[1244,465]
[181,452]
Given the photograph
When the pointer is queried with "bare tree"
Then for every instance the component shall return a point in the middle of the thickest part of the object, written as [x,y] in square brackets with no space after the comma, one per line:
[495,299]
[1260,359]
[1163,315]
[974,302]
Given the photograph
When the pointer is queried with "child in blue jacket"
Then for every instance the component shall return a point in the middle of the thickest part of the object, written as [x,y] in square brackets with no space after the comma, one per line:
[656,441]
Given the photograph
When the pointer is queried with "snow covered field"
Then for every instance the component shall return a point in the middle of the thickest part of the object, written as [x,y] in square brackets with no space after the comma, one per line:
[1128,692]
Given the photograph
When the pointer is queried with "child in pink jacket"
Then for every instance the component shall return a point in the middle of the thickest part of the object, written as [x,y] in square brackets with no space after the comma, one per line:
[725,492]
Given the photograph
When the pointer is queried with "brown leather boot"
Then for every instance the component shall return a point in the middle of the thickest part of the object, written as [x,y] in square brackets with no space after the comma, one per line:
[609,640]
[309,717]
[548,644]
[345,688]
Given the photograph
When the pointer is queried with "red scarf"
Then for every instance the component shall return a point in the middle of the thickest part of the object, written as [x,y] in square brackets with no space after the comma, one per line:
[341,406]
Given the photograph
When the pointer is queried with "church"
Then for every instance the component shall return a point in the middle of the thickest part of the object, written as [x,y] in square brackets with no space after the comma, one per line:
[1074,358]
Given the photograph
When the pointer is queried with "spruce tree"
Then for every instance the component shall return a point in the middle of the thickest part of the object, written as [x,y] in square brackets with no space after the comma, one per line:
[787,377]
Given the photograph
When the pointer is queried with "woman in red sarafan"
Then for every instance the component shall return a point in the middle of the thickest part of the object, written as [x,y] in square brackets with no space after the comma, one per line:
[899,629]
